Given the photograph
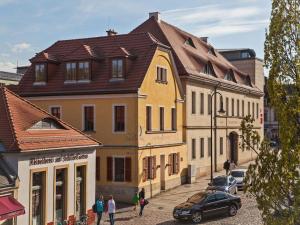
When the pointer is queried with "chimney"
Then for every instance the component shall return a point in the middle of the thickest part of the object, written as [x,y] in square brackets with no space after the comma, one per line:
[156,15]
[204,39]
[111,32]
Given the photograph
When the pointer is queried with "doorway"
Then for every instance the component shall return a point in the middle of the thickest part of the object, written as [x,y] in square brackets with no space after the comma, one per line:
[234,146]
[162,172]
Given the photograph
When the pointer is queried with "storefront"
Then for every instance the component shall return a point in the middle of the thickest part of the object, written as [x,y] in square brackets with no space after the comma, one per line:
[54,163]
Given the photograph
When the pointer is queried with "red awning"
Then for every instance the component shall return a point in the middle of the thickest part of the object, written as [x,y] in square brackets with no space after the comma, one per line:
[10,207]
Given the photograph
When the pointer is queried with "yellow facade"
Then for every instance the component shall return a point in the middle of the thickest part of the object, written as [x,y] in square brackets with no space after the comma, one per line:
[135,143]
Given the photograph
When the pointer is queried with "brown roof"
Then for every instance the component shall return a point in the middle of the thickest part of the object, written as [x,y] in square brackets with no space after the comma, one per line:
[18,117]
[138,49]
[191,60]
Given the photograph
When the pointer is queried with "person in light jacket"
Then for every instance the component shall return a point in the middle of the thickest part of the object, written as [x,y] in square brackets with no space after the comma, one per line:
[111,208]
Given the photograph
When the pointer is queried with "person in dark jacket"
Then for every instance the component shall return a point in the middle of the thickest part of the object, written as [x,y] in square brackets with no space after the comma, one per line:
[142,194]
[226,166]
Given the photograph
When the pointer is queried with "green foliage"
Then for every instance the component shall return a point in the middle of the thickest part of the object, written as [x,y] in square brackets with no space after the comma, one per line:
[274,179]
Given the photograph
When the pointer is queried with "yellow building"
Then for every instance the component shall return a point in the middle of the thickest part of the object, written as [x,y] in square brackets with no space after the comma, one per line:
[125,91]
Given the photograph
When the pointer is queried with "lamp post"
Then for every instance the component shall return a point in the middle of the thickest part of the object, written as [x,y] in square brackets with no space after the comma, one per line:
[221,111]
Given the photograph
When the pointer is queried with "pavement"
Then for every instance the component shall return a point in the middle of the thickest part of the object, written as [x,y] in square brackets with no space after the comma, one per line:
[160,208]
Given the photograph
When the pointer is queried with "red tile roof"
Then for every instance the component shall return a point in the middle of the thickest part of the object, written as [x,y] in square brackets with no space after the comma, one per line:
[19,115]
[136,48]
[191,60]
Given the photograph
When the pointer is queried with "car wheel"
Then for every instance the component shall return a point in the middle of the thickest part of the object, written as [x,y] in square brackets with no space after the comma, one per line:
[197,217]
[232,210]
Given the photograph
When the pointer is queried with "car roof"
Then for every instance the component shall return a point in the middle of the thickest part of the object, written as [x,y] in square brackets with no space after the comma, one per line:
[241,169]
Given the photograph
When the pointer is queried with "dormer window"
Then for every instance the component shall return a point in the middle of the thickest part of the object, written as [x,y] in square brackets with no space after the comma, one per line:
[40,73]
[117,68]
[83,71]
[46,124]
[77,72]
[212,51]
[161,74]
[190,42]
[208,69]
[229,76]
[71,71]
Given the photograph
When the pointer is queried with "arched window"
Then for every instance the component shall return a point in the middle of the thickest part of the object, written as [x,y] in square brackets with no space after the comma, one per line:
[46,124]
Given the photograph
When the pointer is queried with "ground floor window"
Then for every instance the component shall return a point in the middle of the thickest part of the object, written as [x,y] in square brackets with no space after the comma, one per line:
[119,169]
[149,168]
[61,177]
[174,163]
[38,184]
[80,192]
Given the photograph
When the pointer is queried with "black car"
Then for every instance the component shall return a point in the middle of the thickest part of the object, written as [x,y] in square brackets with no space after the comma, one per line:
[206,204]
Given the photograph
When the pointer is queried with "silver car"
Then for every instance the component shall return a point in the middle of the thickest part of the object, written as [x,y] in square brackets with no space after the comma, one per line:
[224,183]
[239,175]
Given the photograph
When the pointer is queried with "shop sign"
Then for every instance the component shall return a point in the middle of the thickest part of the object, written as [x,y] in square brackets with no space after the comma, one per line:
[58,159]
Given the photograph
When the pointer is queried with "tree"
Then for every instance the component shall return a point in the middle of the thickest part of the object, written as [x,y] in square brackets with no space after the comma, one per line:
[274,179]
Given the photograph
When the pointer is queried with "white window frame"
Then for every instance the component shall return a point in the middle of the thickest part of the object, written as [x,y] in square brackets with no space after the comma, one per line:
[56,106]
[113,119]
[82,116]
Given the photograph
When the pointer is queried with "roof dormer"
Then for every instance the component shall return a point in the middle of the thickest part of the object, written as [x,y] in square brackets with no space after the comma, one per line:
[208,69]
[190,42]
[230,76]
[47,124]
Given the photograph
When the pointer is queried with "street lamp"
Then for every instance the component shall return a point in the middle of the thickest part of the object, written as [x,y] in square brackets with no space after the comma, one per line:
[221,111]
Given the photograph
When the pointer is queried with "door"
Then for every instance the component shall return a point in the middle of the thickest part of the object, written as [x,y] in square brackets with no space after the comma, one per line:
[222,203]
[210,207]
[162,172]
[234,144]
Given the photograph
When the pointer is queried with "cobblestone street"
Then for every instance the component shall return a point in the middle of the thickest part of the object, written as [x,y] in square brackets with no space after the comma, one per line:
[160,209]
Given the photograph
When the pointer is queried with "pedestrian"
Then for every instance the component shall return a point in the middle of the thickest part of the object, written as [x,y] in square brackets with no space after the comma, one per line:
[99,208]
[226,166]
[142,205]
[135,200]
[232,165]
[111,208]
[142,194]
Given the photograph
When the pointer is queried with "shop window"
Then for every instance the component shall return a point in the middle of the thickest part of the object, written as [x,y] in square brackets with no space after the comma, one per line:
[38,198]
[61,178]
[149,168]
[80,191]
[55,111]
[89,118]
[40,73]
[119,118]
[117,68]
[148,118]
[174,163]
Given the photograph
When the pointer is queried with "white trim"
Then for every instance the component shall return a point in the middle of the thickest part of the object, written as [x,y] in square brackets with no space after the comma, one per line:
[75,97]
[41,83]
[84,81]
[56,106]
[82,115]
[70,82]
[113,119]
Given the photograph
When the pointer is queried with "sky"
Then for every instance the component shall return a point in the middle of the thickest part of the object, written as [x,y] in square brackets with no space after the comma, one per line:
[30,26]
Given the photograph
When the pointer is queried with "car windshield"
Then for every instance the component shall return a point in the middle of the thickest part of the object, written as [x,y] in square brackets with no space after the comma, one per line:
[237,173]
[196,198]
[220,181]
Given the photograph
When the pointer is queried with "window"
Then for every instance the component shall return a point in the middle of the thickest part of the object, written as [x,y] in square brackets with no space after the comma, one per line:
[161,118]
[47,123]
[38,197]
[61,178]
[161,74]
[253,110]
[80,191]
[221,145]
[249,108]
[55,111]
[243,108]
[40,73]
[148,118]
[209,104]
[119,169]
[193,148]
[201,147]
[238,108]
[227,107]
[88,118]
[210,198]
[245,55]
[229,76]
[201,103]
[209,146]
[98,168]
[174,163]
[193,102]
[70,71]
[232,107]
[119,118]
[221,196]
[117,68]
[83,71]
[149,168]
[257,110]
[190,42]
[173,119]
[208,69]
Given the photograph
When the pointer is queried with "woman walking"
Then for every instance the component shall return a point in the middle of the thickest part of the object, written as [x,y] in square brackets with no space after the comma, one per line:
[135,200]
[99,208]
[111,208]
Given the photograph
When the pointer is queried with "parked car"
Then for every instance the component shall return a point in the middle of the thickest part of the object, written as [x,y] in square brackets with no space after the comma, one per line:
[239,175]
[206,204]
[224,183]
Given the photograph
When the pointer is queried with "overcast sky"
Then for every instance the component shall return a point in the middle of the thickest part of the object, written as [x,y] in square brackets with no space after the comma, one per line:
[28,27]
